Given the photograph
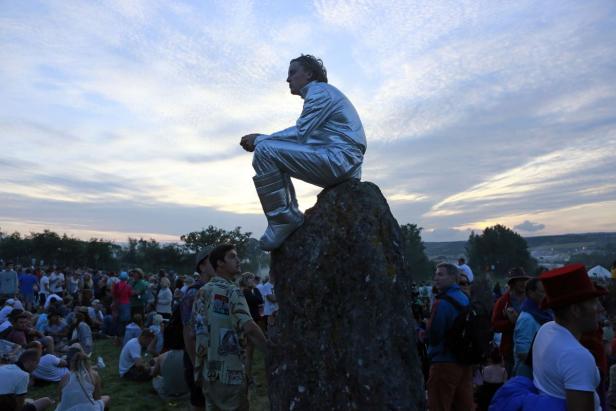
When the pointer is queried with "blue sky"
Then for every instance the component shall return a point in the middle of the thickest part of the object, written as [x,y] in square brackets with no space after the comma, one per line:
[123,117]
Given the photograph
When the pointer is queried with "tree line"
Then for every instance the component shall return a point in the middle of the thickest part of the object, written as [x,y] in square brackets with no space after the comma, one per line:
[51,249]
[496,249]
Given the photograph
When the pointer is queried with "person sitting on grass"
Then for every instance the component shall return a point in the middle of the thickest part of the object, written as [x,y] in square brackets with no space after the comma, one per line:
[167,368]
[131,364]
[81,387]
[96,313]
[57,329]
[14,381]
[50,367]
[82,333]
[21,332]
[133,330]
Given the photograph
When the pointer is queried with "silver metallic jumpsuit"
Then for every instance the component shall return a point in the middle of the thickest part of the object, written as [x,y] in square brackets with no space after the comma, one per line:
[324,148]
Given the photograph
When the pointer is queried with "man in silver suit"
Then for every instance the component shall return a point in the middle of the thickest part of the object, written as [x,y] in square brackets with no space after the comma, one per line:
[325,147]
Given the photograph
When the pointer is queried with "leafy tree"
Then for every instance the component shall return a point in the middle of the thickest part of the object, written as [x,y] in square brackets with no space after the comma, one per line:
[14,247]
[150,255]
[498,249]
[413,249]
[253,258]
[101,253]
[196,240]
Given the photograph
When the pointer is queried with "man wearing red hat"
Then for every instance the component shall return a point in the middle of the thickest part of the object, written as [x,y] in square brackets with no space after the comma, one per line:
[506,310]
[562,367]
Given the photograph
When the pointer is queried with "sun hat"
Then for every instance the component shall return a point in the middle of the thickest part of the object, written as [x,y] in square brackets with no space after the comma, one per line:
[157,319]
[516,273]
[568,285]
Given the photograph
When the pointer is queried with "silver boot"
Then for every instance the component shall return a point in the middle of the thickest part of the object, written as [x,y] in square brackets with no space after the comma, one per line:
[277,197]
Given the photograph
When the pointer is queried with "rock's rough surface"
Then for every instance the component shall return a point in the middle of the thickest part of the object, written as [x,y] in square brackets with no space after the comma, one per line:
[345,330]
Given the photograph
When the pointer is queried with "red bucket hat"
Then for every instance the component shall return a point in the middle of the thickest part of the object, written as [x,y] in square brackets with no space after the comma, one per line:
[568,285]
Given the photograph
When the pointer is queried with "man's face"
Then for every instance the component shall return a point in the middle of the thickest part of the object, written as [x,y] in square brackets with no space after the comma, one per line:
[538,294]
[442,279]
[145,341]
[22,324]
[298,77]
[589,314]
[31,365]
[518,286]
[231,264]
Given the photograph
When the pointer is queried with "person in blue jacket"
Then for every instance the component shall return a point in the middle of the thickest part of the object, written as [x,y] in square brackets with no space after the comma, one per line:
[450,383]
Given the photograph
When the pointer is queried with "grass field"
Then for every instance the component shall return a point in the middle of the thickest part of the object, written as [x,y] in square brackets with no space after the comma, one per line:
[133,396]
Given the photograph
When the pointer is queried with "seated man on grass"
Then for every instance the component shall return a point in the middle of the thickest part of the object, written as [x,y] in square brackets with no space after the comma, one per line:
[14,381]
[50,368]
[132,365]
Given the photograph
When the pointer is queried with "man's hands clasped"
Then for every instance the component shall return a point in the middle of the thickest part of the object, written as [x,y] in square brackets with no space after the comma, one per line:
[248,142]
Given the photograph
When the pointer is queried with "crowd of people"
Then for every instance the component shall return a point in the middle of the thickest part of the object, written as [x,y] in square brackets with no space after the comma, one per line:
[552,342]
[51,317]
[553,346]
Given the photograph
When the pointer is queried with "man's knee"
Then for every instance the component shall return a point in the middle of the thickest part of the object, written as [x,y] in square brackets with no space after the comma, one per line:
[261,158]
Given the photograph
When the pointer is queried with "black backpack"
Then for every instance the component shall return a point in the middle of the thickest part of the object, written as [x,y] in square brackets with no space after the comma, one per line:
[470,336]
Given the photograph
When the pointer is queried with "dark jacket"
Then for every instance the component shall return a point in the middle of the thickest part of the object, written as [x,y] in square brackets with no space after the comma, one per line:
[441,319]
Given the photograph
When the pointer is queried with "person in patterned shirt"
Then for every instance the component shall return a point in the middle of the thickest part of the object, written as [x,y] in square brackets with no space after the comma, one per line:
[222,321]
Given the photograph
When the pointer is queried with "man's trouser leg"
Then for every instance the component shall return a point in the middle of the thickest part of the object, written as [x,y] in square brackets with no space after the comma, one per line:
[276,161]
[450,387]
[322,166]
[280,208]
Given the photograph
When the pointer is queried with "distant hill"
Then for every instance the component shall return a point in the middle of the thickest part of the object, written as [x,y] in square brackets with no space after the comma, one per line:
[448,249]
[562,245]
[597,240]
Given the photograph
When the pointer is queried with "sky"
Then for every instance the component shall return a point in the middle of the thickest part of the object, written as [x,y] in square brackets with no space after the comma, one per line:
[123,118]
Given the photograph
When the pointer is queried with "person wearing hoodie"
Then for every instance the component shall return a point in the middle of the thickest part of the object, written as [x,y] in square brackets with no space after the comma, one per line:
[531,318]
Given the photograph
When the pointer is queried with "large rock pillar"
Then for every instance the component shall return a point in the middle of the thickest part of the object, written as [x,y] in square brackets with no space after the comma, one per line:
[345,333]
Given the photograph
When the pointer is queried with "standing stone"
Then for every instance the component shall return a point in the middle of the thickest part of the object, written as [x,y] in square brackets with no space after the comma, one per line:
[345,332]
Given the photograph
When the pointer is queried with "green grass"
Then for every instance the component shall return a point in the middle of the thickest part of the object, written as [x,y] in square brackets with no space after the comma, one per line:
[134,396]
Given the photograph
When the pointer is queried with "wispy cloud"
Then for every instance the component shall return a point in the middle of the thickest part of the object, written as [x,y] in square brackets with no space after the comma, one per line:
[529,226]
[475,111]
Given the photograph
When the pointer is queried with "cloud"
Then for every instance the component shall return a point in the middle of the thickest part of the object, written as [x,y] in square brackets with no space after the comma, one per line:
[475,112]
[529,226]
[116,220]
[445,234]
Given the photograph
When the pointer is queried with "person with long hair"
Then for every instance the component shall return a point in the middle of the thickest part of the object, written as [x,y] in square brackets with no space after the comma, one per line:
[82,332]
[81,387]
